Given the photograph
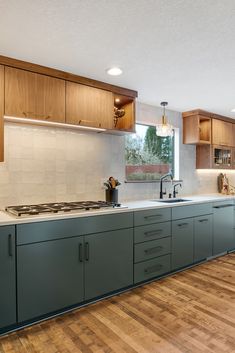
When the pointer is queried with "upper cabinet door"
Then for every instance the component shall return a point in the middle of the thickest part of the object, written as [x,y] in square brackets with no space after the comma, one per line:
[222,133]
[35,96]
[50,98]
[89,106]
[20,93]
[1,113]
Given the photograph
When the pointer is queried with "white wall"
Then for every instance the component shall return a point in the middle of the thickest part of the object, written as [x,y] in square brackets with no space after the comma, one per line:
[46,164]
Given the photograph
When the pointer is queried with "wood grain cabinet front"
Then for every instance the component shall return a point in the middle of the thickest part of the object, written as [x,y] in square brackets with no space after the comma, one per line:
[89,106]
[222,133]
[34,96]
[2,84]
[196,128]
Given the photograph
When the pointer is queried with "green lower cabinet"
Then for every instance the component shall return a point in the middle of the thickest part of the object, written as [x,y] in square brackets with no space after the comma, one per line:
[182,243]
[108,262]
[156,267]
[7,277]
[223,224]
[50,276]
[203,237]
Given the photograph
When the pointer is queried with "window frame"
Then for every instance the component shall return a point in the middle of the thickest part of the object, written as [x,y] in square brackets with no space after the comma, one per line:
[173,160]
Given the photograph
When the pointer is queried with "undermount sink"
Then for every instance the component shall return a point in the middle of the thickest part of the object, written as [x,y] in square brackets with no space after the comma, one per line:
[172,200]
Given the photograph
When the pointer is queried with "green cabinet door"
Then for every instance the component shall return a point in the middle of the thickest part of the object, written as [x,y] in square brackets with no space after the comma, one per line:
[203,240]
[50,276]
[7,276]
[108,262]
[223,232]
[182,243]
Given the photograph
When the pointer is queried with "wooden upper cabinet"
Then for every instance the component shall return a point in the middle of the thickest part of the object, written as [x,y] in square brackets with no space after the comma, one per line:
[127,121]
[196,128]
[89,106]
[222,133]
[34,96]
[50,98]
[1,113]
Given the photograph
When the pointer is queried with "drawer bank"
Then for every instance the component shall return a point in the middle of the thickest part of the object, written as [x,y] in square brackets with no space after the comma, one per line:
[50,267]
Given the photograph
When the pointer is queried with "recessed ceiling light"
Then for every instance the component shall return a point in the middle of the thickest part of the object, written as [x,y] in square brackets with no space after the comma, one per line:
[233,110]
[114,71]
[117,100]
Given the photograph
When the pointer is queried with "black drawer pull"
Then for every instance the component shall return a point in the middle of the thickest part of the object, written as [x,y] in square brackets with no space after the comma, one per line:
[87,251]
[203,220]
[223,206]
[80,250]
[154,268]
[153,216]
[153,250]
[182,224]
[153,232]
[10,248]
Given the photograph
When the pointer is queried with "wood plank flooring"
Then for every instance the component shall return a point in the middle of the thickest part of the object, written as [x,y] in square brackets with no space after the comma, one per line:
[192,311]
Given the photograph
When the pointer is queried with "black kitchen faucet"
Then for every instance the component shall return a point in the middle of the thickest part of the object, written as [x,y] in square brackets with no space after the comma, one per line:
[170,174]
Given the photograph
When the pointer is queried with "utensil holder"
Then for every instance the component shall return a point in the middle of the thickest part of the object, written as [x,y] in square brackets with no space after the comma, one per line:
[111,195]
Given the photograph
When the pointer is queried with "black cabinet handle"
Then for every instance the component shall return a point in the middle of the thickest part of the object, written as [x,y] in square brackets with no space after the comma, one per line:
[203,220]
[153,232]
[80,251]
[153,250]
[223,206]
[152,269]
[87,251]
[153,216]
[10,246]
[182,224]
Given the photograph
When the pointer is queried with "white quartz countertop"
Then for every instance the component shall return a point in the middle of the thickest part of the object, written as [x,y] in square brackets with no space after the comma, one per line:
[7,219]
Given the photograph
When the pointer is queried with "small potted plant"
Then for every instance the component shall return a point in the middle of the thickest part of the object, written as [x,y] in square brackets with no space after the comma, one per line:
[111,191]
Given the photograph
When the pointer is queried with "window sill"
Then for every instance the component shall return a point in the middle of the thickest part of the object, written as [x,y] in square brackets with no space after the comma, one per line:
[150,181]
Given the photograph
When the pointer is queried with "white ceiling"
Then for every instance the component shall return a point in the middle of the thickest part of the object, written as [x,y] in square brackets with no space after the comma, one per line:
[182,51]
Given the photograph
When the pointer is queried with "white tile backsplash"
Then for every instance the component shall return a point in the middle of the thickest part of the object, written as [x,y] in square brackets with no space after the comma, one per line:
[51,164]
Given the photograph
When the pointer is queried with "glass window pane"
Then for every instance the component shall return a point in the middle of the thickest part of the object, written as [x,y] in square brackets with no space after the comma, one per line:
[148,156]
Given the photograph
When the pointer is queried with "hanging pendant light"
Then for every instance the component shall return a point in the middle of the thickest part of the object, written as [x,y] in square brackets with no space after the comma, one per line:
[164,129]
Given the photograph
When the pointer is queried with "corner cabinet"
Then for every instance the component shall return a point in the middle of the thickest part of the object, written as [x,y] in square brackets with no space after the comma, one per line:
[34,96]
[196,128]
[7,277]
[214,137]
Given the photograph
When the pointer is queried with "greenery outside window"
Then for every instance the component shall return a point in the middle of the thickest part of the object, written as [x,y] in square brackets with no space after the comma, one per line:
[147,155]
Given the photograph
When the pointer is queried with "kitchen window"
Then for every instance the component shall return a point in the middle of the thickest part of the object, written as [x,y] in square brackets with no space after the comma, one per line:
[147,155]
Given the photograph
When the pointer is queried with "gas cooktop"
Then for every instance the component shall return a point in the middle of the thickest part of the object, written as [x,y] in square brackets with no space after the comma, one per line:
[60,207]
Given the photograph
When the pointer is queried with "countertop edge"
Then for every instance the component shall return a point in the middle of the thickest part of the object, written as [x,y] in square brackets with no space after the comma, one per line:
[140,205]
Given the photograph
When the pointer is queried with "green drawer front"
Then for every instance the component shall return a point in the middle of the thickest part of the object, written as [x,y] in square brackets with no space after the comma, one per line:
[223,204]
[152,232]
[152,216]
[152,268]
[151,249]
[43,231]
[179,212]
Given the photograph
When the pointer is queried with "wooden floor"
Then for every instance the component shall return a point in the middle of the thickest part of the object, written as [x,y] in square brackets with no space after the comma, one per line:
[193,311]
